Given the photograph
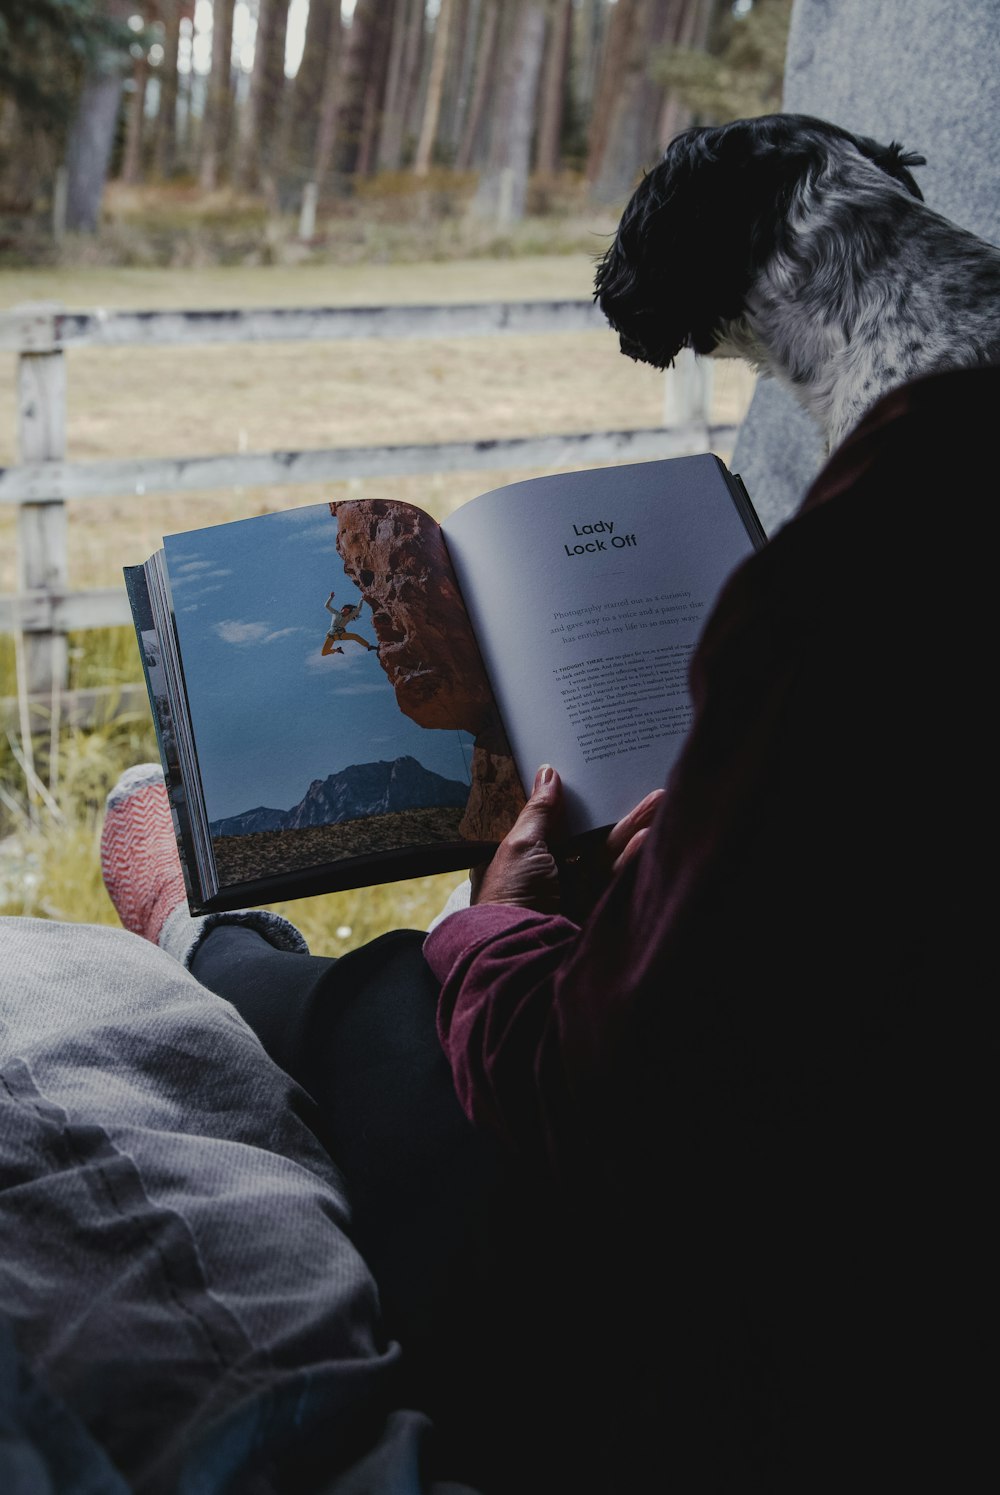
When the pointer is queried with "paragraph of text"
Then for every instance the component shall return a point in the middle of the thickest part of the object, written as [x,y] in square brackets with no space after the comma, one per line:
[626,615]
[623,702]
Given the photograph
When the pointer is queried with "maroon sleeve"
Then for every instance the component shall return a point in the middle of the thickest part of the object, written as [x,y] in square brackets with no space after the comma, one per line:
[499,967]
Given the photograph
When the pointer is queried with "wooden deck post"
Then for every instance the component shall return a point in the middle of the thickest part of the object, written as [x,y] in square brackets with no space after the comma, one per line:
[687,391]
[42,536]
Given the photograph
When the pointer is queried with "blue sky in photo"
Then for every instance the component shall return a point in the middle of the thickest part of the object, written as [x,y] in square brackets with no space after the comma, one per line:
[270,714]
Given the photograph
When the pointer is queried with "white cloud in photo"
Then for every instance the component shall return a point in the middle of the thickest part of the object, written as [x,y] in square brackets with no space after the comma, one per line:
[202,592]
[194,577]
[318,663]
[232,631]
[317,531]
[306,514]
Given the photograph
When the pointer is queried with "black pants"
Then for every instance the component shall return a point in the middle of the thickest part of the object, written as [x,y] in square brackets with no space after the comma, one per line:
[457,1238]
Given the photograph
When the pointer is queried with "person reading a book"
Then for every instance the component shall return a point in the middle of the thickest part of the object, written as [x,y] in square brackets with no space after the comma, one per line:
[337,633]
[721,1219]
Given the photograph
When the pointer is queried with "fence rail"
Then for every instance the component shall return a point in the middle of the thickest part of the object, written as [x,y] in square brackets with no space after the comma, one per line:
[46,328]
[44,609]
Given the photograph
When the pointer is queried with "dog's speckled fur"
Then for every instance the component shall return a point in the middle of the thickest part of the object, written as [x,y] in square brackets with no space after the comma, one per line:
[807,251]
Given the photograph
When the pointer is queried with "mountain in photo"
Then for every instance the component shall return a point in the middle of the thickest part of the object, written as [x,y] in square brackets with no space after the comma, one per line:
[353,794]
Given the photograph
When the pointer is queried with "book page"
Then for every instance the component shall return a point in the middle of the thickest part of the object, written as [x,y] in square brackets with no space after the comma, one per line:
[337,701]
[588,592]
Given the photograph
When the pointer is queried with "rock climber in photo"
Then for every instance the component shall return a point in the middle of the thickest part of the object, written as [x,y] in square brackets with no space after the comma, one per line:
[340,617]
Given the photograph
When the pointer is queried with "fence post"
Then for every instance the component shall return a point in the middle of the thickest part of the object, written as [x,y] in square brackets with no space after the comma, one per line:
[687,391]
[43,562]
[307,212]
[505,197]
[59,200]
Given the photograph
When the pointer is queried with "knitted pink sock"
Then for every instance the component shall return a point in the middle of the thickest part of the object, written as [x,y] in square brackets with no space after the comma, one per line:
[139,859]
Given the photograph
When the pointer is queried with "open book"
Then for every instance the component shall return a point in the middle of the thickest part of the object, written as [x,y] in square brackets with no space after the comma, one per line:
[350,693]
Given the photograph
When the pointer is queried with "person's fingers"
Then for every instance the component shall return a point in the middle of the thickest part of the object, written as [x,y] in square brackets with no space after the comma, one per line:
[534,878]
[631,849]
[638,819]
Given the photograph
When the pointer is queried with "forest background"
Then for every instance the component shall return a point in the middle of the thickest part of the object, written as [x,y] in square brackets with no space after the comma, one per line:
[172,153]
[164,117]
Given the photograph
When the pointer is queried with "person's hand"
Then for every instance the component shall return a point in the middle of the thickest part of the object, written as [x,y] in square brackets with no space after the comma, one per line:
[524,871]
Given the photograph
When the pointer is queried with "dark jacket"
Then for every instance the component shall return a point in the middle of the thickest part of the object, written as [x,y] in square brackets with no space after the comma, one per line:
[767,1061]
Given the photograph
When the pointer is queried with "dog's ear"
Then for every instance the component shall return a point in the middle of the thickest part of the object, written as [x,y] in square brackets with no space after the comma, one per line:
[694,237]
[894,161]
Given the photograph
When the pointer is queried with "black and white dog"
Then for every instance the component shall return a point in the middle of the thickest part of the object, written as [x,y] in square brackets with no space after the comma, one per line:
[807,251]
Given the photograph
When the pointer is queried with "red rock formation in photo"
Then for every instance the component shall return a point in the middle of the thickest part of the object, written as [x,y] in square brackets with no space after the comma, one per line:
[396,558]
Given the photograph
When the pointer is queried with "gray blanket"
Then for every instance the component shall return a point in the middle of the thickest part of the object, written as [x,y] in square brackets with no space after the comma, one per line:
[175,1259]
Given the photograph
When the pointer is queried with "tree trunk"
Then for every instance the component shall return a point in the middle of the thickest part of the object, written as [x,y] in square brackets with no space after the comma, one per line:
[632,139]
[186,130]
[458,79]
[364,80]
[371,116]
[246,165]
[390,140]
[402,88]
[165,133]
[260,122]
[131,171]
[297,148]
[274,85]
[414,108]
[435,86]
[547,150]
[329,103]
[590,29]
[693,29]
[503,185]
[92,133]
[609,81]
[484,74]
[215,125]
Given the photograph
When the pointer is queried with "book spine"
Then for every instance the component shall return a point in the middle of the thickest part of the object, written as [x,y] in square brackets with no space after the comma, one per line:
[744,507]
[151,655]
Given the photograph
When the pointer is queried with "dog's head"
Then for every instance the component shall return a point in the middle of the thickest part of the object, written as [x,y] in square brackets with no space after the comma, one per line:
[703,223]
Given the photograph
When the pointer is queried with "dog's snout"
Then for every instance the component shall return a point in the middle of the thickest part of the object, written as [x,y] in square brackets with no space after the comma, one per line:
[631,347]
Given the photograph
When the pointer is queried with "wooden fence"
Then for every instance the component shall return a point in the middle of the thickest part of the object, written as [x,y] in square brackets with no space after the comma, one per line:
[44,610]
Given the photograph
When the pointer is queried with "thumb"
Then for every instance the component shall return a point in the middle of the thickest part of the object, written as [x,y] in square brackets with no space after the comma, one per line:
[536,821]
[523,870]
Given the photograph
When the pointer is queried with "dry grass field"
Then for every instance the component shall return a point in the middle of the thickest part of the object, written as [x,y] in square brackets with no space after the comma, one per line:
[202,401]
